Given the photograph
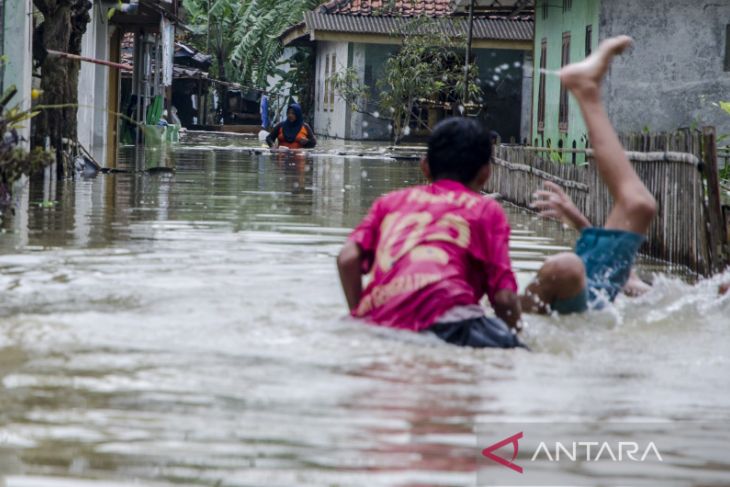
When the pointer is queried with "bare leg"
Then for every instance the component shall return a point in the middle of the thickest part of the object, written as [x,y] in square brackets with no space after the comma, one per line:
[635,287]
[563,276]
[634,206]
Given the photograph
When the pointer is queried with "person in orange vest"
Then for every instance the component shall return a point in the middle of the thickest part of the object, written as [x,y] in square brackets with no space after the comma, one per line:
[292,133]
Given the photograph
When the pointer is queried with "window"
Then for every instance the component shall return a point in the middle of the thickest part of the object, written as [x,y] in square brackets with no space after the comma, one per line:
[564,60]
[567,5]
[727,48]
[369,75]
[333,68]
[589,40]
[541,89]
[545,9]
[325,76]
[319,84]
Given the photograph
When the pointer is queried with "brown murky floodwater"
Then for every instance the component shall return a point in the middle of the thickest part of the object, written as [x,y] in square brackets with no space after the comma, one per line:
[189,329]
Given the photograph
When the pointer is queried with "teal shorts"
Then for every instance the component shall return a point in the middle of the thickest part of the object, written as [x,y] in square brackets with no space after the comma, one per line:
[608,256]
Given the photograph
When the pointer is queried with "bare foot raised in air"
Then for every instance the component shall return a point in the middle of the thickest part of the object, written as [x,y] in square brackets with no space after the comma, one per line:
[586,76]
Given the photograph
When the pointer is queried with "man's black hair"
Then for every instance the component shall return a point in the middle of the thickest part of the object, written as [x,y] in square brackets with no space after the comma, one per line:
[458,148]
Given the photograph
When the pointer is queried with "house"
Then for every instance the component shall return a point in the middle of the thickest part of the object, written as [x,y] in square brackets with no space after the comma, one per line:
[362,34]
[16,46]
[152,25]
[675,75]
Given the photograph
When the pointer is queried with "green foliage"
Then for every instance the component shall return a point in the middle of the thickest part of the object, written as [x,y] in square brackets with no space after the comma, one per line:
[298,80]
[243,34]
[725,106]
[14,161]
[428,69]
[348,85]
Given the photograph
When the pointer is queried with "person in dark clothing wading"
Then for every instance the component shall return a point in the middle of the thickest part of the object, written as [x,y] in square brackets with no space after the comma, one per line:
[292,133]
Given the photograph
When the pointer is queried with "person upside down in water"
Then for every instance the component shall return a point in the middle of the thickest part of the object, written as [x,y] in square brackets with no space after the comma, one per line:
[292,133]
[552,202]
[434,251]
[601,265]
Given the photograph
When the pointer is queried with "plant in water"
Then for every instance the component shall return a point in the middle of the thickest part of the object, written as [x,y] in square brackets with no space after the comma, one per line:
[15,162]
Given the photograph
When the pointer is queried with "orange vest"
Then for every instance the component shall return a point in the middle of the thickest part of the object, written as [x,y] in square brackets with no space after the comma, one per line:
[297,144]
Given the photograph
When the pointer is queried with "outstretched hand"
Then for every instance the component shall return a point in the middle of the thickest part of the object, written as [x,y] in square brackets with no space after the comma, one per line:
[553,202]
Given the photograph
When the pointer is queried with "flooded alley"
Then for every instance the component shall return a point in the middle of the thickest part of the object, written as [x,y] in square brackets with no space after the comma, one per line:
[188,328]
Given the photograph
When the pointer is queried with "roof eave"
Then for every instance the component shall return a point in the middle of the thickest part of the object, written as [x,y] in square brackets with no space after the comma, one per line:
[294,34]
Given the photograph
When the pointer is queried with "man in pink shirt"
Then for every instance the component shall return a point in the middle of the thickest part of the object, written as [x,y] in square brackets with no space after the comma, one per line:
[432,252]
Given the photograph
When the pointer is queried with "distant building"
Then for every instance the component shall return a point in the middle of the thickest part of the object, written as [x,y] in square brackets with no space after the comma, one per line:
[676,73]
[362,34]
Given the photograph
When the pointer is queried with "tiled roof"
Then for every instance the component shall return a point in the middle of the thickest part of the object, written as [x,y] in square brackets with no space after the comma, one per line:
[431,8]
[492,28]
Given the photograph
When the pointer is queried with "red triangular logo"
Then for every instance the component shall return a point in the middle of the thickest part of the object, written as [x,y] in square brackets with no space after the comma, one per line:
[487,452]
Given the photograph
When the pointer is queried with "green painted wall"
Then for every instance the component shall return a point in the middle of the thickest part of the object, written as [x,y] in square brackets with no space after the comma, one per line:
[575,20]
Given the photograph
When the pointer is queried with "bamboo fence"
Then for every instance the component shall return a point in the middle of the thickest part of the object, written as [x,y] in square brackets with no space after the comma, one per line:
[690,228]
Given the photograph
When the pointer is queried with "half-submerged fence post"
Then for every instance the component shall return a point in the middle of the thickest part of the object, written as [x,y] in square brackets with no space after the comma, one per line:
[717,231]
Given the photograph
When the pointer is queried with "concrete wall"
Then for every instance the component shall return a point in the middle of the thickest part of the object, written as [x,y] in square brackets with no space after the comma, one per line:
[675,72]
[582,14]
[331,120]
[18,49]
[94,84]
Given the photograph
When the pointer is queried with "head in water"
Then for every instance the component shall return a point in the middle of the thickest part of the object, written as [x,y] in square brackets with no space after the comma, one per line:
[294,113]
[459,149]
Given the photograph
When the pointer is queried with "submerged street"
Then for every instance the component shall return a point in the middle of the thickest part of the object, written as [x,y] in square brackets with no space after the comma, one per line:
[189,329]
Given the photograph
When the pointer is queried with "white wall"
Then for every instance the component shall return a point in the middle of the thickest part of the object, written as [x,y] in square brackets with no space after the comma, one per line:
[94,84]
[18,48]
[330,121]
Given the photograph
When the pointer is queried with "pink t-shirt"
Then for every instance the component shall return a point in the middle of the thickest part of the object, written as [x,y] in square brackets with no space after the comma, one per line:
[429,249]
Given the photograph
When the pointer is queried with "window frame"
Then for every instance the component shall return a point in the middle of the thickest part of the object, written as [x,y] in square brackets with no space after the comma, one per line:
[333,68]
[564,108]
[542,86]
[325,98]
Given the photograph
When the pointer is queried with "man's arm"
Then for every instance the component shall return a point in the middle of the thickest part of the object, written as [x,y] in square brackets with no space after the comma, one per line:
[507,307]
[553,202]
[349,266]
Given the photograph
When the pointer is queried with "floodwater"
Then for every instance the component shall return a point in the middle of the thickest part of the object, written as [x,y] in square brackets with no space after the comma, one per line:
[189,329]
